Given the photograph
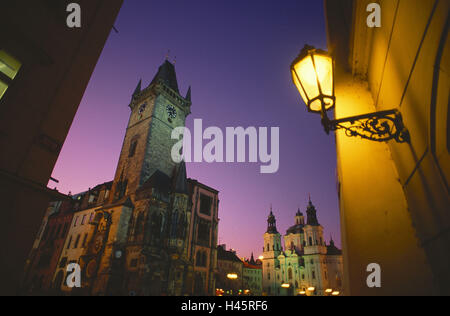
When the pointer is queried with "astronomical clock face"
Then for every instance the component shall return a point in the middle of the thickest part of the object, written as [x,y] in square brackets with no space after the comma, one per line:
[90,269]
[171,111]
[98,243]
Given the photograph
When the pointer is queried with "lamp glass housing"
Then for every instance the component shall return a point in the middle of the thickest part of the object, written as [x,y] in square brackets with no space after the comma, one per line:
[313,75]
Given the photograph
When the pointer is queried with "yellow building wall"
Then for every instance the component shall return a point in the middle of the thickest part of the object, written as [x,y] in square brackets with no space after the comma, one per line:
[394,197]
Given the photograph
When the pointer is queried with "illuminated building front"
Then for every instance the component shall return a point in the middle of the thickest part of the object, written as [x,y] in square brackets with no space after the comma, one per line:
[306,265]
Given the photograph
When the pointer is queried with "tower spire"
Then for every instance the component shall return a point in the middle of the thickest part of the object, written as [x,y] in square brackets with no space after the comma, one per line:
[188,94]
[166,75]
[138,88]
[271,223]
[311,214]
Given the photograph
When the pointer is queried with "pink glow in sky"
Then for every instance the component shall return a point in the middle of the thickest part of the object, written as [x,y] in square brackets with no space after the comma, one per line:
[236,56]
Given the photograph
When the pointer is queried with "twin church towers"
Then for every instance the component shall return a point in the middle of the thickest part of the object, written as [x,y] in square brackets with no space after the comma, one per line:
[306,265]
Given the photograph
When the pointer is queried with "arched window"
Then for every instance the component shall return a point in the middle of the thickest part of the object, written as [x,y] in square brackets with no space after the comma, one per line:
[290,274]
[310,241]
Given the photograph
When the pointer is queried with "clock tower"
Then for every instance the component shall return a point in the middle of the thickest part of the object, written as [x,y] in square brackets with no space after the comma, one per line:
[155,112]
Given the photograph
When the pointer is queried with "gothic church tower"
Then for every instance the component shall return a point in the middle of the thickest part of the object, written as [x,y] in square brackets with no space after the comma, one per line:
[272,249]
[155,112]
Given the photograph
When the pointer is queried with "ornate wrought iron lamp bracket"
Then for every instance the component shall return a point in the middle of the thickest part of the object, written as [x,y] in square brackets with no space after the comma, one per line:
[377,126]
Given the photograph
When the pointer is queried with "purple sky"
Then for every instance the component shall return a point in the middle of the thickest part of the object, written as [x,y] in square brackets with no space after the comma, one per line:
[236,56]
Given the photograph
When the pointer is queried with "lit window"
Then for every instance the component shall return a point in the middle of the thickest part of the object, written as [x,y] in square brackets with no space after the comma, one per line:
[9,67]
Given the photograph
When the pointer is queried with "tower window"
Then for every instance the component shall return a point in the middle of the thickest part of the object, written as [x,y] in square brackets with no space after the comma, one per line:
[132,148]
[205,204]
[203,233]
[9,67]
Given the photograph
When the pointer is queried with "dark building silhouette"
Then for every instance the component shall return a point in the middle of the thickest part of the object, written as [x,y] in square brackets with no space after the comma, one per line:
[45,67]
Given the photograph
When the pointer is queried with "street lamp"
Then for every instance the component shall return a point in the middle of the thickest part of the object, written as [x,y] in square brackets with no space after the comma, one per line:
[313,75]
[285,285]
[232,276]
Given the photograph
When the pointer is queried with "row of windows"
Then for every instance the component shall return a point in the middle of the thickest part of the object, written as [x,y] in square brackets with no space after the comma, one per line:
[77,241]
[83,220]
[56,232]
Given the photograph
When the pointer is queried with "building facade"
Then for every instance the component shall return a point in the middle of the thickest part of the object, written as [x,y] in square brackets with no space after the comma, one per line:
[230,272]
[41,86]
[44,257]
[151,231]
[306,265]
[394,197]
[252,277]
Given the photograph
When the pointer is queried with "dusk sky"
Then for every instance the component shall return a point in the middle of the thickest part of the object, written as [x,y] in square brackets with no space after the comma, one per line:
[236,56]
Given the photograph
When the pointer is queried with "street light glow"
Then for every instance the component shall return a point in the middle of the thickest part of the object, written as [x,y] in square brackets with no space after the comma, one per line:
[232,276]
[313,76]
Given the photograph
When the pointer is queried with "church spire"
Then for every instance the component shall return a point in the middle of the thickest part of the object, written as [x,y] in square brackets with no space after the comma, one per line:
[188,94]
[138,88]
[271,223]
[167,76]
[252,259]
[311,214]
